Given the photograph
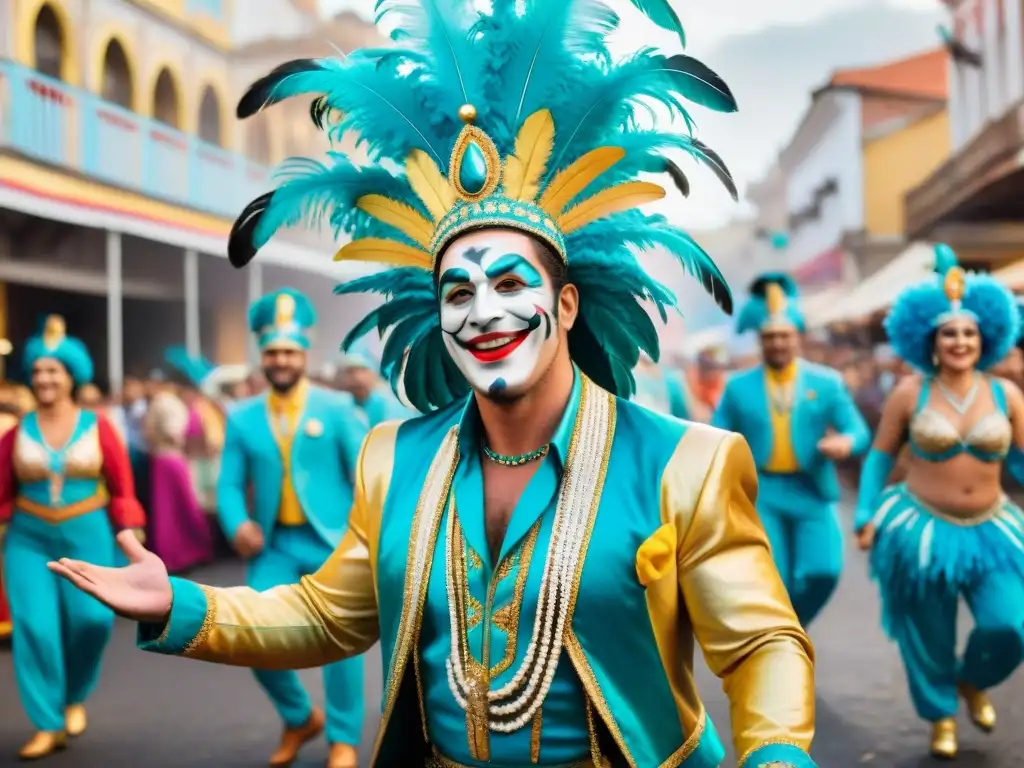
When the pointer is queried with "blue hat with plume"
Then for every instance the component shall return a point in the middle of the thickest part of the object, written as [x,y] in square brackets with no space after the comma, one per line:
[282,319]
[53,342]
[194,369]
[774,304]
[359,355]
[517,117]
[950,294]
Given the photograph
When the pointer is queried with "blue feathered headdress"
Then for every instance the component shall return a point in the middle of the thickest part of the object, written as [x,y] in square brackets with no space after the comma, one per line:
[194,369]
[282,319]
[774,303]
[920,309]
[54,343]
[518,117]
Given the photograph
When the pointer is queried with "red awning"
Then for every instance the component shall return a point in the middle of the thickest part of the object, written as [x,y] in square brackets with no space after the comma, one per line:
[824,269]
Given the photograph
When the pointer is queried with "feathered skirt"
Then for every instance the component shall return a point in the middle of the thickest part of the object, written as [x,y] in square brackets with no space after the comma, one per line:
[919,552]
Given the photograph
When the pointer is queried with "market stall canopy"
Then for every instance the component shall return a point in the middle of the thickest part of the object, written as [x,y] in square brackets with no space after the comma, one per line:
[878,291]
[1012,275]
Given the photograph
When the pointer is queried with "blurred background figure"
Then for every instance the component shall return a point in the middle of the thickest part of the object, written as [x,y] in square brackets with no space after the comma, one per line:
[665,390]
[359,375]
[178,528]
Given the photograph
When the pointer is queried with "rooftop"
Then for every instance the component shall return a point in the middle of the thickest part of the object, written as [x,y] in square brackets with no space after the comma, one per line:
[923,75]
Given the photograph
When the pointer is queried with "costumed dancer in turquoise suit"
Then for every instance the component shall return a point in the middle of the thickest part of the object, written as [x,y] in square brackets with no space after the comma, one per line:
[297,447]
[665,391]
[360,377]
[949,531]
[799,419]
[65,489]
[538,556]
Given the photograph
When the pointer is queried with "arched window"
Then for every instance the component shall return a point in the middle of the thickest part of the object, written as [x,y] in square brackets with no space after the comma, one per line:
[166,102]
[49,43]
[257,140]
[209,117]
[117,76]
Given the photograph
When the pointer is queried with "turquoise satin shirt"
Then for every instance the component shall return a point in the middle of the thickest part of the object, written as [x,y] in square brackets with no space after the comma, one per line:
[501,601]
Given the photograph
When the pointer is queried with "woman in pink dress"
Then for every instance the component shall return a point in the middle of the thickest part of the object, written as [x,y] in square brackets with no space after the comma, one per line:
[179,532]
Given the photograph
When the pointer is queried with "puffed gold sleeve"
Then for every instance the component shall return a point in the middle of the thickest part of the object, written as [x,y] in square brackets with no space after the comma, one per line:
[328,616]
[739,608]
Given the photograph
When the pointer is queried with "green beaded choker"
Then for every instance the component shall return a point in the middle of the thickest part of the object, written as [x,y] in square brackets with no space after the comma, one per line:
[517,461]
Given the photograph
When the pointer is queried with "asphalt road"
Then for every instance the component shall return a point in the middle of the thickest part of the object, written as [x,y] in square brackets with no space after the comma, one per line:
[156,712]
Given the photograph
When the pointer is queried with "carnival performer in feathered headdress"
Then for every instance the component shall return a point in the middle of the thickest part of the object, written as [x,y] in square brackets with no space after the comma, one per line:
[799,419]
[56,501]
[531,503]
[949,531]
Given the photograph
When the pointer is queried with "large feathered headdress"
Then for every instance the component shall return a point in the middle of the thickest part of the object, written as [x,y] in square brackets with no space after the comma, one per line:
[518,117]
[952,293]
[773,304]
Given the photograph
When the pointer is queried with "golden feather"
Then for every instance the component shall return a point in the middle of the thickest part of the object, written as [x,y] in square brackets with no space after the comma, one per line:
[284,309]
[382,251]
[775,299]
[429,184]
[621,197]
[525,168]
[573,180]
[398,215]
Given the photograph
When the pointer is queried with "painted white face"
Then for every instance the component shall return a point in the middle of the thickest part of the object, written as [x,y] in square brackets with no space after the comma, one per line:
[497,311]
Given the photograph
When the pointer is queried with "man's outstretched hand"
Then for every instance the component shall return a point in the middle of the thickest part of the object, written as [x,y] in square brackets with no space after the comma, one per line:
[140,591]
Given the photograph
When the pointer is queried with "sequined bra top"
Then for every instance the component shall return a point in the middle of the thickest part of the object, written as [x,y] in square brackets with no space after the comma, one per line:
[934,438]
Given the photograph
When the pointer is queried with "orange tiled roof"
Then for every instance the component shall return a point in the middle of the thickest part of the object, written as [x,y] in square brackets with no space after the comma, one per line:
[924,75]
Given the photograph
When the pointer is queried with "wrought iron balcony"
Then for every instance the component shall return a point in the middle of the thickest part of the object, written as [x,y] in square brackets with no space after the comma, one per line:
[48,121]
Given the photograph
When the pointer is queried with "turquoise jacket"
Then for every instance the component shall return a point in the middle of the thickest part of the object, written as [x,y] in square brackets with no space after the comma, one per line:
[675,551]
[325,449]
[821,402]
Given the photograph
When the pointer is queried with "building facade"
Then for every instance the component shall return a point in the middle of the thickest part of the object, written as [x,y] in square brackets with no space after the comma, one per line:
[975,200]
[122,168]
[868,136]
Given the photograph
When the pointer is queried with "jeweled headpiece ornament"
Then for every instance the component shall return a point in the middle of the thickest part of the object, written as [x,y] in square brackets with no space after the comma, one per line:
[54,331]
[773,305]
[519,118]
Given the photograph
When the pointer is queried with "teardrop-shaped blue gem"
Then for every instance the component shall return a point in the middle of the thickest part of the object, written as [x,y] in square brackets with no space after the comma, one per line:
[473,169]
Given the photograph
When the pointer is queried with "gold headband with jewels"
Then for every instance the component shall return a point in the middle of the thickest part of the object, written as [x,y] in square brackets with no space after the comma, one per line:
[482,192]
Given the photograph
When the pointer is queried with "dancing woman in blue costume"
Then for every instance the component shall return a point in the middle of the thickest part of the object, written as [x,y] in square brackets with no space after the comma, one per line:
[65,487]
[537,555]
[949,531]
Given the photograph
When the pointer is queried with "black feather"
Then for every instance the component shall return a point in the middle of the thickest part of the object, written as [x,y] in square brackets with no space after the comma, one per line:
[318,110]
[698,83]
[718,289]
[678,177]
[240,247]
[261,93]
[713,160]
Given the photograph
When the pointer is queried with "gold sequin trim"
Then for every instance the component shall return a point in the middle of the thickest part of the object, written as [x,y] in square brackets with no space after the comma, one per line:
[507,617]
[535,731]
[743,761]
[437,760]
[408,637]
[197,642]
[444,235]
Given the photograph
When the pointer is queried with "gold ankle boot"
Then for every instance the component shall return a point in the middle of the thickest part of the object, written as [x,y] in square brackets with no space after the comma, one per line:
[944,738]
[43,744]
[75,720]
[979,706]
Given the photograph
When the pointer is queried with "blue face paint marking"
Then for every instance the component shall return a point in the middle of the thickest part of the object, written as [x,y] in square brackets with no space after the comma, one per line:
[514,264]
[452,276]
[475,255]
[499,385]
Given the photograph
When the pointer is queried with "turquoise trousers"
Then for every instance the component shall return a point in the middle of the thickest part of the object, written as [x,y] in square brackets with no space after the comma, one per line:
[60,632]
[293,552]
[806,540]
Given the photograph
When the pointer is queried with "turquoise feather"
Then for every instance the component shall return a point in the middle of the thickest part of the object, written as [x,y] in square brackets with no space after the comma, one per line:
[509,61]
[662,14]
[945,258]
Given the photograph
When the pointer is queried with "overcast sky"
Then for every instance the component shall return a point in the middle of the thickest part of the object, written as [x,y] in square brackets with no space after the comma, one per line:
[772,54]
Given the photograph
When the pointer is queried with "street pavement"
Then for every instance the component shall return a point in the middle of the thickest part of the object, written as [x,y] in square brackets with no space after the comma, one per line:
[157,712]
